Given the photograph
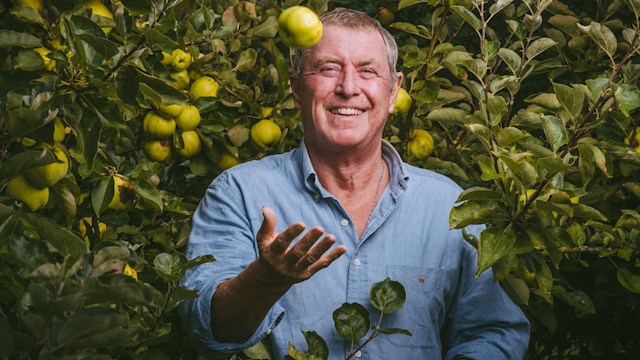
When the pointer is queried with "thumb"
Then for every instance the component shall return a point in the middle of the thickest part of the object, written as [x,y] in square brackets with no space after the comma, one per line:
[267,232]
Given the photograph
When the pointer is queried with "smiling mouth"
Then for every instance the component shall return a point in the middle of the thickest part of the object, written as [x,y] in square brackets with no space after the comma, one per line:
[346,111]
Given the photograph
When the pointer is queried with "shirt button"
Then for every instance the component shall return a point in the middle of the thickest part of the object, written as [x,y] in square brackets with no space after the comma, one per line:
[357,262]
[344,222]
[358,354]
[269,331]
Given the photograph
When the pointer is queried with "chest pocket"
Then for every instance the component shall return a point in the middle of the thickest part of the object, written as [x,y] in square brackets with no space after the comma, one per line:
[423,312]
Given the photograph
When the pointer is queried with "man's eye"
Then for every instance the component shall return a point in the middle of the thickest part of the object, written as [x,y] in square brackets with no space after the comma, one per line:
[368,73]
[329,71]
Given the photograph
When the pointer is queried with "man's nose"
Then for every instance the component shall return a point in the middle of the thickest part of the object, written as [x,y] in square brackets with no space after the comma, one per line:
[348,84]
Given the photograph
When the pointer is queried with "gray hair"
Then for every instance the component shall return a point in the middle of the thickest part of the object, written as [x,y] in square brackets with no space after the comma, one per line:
[351,19]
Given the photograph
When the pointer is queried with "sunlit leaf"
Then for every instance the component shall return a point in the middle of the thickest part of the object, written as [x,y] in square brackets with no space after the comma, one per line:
[628,97]
[148,193]
[269,28]
[447,116]
[472,212]
[571,99]
[539,46]
[512,59]
[469,17]
[555,131]
[494,244]
[602,36]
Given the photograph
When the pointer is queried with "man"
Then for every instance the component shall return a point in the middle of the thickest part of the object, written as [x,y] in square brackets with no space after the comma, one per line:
[380,218]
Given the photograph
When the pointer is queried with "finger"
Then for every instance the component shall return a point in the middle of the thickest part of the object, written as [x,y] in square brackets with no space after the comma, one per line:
[301,248]
[327,259]
[267,231]
[284,239]
[316,252]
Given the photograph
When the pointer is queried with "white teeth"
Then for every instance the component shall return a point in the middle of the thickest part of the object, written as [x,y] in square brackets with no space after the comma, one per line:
[347,111]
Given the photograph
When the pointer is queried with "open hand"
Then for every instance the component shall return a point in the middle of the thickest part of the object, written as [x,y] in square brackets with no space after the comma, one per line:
[299,262]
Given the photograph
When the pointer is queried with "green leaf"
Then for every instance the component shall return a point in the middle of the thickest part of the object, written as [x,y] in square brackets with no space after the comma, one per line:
[552,164]
[28,60]
[409,28]
[494,244]
[563,209]
[566,23]
[576,233]
[128,84]
[18,163]
[478,193]
[546,100]
[517,289]
[602,36]
[9,38]
[472,212]
[22,121]
[477,67]
[103,47]
[577,299]
[137,7]
[96,328]
[316,345]
[268,29]
[554,131]
[539,46]
[523,172]
[388,296]
[148,193]
[246,60]
[592,155]
[571,99]
[509,135]
[629,280]
[498,6]
[392,331]
[587,212]
[63,240]
[512,59]
[596,86]
[469,17]
[102,194]
[448,116]
[406,3]
[628,97]
[159,39]
[159,91]
[107,111]
[170,266]
[351,321]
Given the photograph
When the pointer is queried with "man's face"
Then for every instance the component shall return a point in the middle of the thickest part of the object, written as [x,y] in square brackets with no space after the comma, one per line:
[345,91]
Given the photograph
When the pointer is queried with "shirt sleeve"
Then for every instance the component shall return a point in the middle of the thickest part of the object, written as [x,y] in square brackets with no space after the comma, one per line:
[222,228]
[484,323]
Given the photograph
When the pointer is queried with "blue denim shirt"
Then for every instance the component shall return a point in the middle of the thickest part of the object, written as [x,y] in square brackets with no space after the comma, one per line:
[448,311]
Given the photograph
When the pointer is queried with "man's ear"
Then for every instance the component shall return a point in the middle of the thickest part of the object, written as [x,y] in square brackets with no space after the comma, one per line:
[294,82]
[394,90]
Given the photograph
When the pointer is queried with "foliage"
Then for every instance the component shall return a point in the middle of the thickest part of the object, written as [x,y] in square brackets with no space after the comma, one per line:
[532,106]
[352,322]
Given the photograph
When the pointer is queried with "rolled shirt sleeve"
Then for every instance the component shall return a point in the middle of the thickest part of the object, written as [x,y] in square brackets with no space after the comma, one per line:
[219,216]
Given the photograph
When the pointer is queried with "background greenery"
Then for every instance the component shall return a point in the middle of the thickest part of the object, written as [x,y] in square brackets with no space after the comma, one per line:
[535,95]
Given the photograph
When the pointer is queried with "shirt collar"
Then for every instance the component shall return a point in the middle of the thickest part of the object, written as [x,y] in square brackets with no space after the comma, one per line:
[397,184]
